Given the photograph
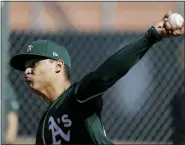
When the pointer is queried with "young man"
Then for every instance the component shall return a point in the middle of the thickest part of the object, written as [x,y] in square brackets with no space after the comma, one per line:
[73,116]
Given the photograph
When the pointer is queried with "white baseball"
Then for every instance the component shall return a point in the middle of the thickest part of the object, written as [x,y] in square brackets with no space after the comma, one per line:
[176,20]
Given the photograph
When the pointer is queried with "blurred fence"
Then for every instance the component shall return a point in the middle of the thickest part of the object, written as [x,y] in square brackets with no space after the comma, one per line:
[137,107]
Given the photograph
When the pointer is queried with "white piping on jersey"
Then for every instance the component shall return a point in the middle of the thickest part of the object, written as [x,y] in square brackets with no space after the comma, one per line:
[104,131]
[89,98]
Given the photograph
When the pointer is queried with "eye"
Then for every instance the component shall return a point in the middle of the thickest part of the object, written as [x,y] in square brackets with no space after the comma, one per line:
[31,63]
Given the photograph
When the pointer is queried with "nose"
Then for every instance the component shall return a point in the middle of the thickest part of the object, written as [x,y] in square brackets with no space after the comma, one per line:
[28,71]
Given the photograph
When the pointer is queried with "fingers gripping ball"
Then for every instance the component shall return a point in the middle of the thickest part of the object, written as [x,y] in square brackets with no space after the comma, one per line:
[176,20]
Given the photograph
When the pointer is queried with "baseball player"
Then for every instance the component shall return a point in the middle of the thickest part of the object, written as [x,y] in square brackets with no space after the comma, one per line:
[73,114]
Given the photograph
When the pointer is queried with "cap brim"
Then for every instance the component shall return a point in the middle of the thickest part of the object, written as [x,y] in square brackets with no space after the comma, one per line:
[18,62]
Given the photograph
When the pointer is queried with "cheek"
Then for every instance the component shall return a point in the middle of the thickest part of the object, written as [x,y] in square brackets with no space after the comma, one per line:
[46,73]
[43,73]
[40,74]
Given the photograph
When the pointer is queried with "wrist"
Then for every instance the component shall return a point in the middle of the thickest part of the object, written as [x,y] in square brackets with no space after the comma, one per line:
[152,35]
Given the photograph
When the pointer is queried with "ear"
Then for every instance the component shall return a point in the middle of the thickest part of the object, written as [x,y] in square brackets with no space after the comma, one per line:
[59,66]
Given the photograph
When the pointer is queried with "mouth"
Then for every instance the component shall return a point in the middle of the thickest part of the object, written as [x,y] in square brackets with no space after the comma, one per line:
[27,79]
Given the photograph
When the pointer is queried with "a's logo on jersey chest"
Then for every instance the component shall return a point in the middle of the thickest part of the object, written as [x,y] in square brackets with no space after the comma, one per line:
[60,127]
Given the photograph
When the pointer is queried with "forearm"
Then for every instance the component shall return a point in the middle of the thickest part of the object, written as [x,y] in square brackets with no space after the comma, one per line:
[12,128]
[122,61]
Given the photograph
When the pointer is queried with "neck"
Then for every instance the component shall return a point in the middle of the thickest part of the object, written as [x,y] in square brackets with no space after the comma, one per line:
[52,92]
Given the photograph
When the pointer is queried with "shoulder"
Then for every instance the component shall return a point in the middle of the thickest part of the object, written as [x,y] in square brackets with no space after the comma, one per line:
[67,97]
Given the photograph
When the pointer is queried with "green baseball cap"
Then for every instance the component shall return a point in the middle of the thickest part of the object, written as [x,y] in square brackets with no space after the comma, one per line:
[41,49]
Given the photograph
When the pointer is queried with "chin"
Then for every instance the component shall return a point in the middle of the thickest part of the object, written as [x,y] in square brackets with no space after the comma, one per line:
[32,88]
[35,89]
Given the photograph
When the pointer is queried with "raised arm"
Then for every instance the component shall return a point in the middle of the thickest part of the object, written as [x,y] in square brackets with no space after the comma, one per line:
[116,66]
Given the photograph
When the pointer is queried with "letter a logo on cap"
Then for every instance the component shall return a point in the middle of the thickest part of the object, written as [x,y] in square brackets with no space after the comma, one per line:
[29,48]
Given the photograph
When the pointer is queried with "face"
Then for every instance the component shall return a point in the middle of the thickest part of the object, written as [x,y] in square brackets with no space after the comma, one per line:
[39,74]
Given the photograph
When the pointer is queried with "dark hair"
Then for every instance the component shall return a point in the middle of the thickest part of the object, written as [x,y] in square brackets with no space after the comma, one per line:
[66,70]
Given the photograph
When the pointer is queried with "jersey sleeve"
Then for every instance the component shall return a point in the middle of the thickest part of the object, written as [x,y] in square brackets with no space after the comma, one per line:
[97,82]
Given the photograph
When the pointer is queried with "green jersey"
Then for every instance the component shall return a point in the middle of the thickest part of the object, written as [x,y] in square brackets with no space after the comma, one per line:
[69,121]
[75,117]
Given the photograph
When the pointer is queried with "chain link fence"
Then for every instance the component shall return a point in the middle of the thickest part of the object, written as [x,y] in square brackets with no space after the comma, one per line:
[137,107]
